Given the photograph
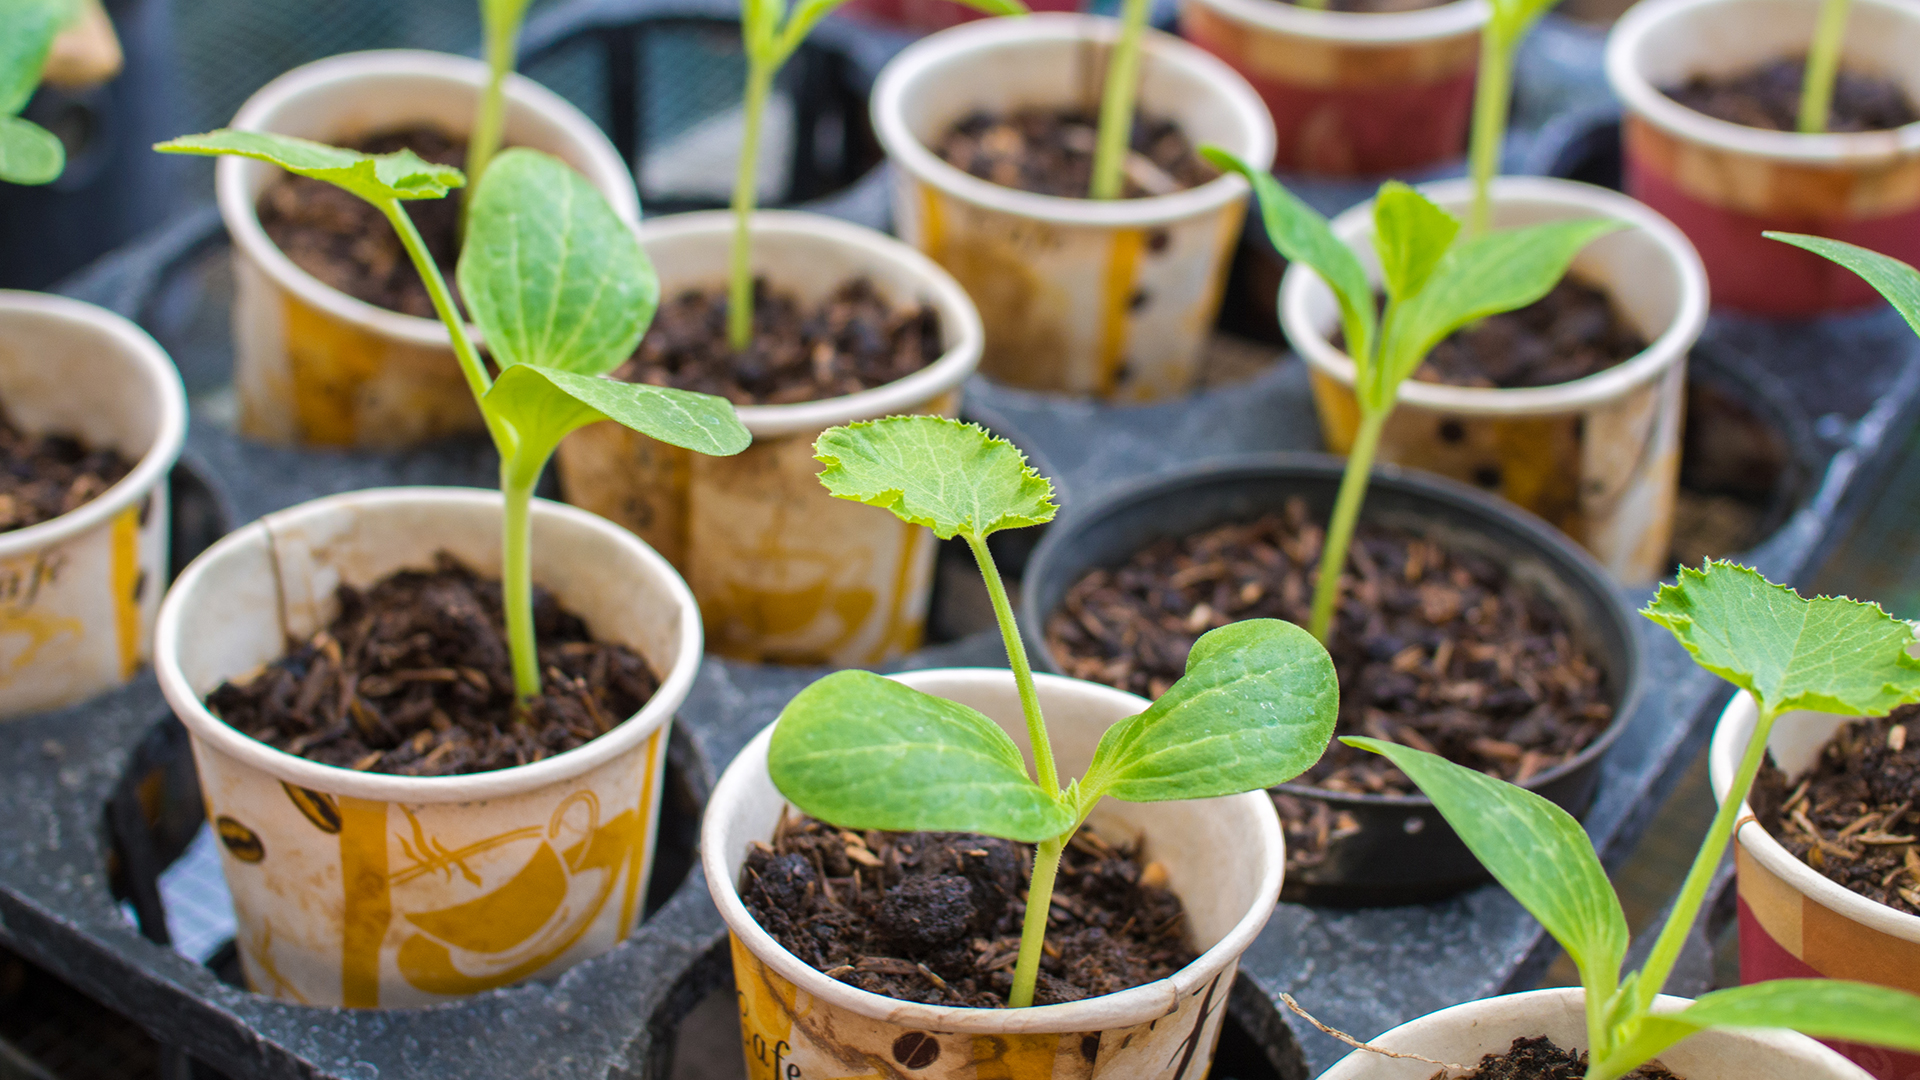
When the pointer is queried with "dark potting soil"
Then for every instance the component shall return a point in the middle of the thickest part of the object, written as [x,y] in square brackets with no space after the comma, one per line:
[1570,333]
[1855,816]
[1438,649]
[347,244]
[413,678]
[1050,152]
[855,340]
[45,476]
[1539,1059]
[1769,97]
[935,917]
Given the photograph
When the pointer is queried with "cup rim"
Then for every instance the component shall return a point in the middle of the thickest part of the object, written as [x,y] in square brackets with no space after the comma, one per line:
[1455,18]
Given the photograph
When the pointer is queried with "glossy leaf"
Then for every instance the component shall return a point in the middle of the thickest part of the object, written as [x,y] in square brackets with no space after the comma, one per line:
[378,179]
[954,478]
[864,752]
[1822,1008]
[27,30]
[1411,235]
[1255,708]
[1830,654]
[1897,281]
[29,153]
[549,272]
[544,404]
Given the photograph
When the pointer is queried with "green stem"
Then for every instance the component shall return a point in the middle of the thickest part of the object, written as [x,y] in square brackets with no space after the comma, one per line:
[1823,67]
[1346,514]
[1490,102]
[516,575]
[1022,670]
[1693,893]
[1033,931]
[1116,103]
[463,350]
[740,281]
[489,123]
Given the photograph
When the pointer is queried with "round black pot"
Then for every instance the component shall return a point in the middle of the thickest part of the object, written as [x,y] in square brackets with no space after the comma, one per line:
[1404,852]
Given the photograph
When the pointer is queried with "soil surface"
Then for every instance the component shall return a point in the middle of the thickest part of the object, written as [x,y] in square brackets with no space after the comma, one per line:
[935,917]
[1437,649]
[45,476]
[413,678]
[855,340]
[1855,816]
[346,243]
[1377,7]
[1050,152]
[1570,333]
[1540,1059]
[1769,97]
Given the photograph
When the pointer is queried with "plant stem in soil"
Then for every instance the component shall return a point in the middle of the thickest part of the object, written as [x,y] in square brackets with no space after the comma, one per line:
[1117,103]
[1022,670]
[1490,103]
[1033,930]
[1823,66]
[1346,514]
[740,280]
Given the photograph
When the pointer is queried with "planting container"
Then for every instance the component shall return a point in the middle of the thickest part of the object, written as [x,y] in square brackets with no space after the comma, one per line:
[1723,183]
[1404,851]
[1465,1032]
[364,889]
[1795,923]
[1224,858]
[784,571]
[78,593]
[312,365]
[1598,457]
[1351,94]
[1116,297]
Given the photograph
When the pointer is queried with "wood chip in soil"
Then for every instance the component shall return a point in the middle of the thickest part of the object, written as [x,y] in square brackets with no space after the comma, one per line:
[1541,1059]
[343,241]
[1050,152]
[935,917]
[1437,649]
[46,476]
[414,678]
[1854,816]
[855,340]
[1768,97]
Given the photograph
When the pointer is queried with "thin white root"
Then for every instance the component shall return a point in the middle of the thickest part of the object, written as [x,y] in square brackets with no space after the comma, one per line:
[1358,1045]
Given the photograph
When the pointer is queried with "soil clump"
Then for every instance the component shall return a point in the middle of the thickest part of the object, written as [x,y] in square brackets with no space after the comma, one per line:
[1050,151]
[414,678]
[1540,1059]
[46,476]
[1768,97]
[935,917]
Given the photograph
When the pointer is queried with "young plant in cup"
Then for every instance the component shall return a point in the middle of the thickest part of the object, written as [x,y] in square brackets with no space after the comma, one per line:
[29,153]
[1506,28]
[1436,281]
[561,291]
[1833,655]
[858,751]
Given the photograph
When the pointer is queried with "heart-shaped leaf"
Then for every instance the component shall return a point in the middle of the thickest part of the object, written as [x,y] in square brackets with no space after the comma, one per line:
[1895,280]
[865,752]
[543,405]
[379,179]
[29,153]
[954,478]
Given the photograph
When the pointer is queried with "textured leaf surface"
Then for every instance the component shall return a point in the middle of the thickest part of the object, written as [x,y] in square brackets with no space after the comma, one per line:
[1897,281]
[865,752]
[1411,235]
[1830,654]
[1255,708]
[1822,1008]
[29,153]
[550,273]
[544,404]
[375,178]
[952,477]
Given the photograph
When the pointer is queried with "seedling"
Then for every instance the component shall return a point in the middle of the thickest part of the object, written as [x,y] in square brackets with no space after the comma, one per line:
[1115,137]
[561,291]
[1255,708]
[29,153]
[771,33]
[1823,66]
[500,29]
[1436,282]
[1506,28]
[1833,655]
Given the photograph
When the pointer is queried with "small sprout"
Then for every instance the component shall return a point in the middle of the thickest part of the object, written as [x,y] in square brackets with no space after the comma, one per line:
[1435,281]
[1115,138]
[500,27]
[29,153]
[1823,67]
[1255,708]
[1834,655]
[562,293]
[1507,27]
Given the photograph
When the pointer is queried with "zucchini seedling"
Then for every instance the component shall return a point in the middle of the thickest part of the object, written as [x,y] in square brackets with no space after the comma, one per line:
[29,153]
[1833,655]
[1255,708]
[1436,282]
[561,291]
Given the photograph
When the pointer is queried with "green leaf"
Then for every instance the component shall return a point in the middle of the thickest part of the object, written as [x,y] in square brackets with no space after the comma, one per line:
[377,179]
[954,478]
[550,273]
[1411,235]
[543,405]
[1830,654]
[1897,281]
[1255,708]
[865,752]
[27,30]
[1533,848]
[29,153]
[1486,275]
[1303,236]
[1823,1008]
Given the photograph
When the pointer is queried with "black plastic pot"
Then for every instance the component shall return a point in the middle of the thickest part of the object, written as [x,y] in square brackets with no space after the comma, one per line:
[1404,851]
